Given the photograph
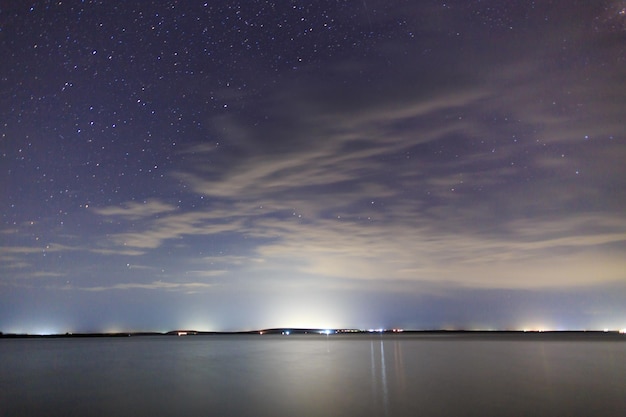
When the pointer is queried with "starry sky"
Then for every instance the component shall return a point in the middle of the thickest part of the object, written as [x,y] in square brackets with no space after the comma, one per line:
[235,165]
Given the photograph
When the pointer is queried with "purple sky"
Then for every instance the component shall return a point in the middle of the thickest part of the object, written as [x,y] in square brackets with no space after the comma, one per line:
[238,165]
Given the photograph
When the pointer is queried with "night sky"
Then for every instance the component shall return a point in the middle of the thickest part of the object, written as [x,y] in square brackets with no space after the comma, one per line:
[234,165]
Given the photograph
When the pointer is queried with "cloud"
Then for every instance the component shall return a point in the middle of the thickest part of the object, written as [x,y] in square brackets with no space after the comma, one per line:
[155,285]
[122,252]
[425,253]
[135,210]
[401,244]
[176,227]
[206,274]
[495,170]
[360,202]
[47,274]
[21,250]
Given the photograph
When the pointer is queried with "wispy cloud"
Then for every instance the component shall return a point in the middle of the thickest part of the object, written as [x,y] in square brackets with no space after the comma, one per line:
[123,252]
[155,285]
[476,174]
[175,227]
[206,274]
[135,210]
[451,197]
[46,274]
[423,253]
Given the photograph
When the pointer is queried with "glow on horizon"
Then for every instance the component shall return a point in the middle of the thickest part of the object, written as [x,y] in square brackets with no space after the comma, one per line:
[305,314]
[46,330]
[324,328]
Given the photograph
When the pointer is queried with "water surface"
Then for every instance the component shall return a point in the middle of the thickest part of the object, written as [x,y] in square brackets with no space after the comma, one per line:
[362,375]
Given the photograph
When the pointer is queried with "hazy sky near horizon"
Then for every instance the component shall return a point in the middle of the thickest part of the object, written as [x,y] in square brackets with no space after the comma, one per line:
[231,165]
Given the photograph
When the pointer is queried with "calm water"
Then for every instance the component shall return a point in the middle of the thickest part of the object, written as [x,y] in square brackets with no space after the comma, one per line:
[312,376]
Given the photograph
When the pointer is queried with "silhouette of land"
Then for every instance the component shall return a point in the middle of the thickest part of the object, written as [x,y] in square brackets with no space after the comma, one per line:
[285,331]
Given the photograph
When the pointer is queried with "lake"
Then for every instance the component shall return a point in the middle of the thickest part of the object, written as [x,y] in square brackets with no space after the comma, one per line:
[314,375]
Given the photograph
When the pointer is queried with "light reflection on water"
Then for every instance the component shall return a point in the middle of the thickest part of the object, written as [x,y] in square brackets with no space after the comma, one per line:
[379,374]
[368,375]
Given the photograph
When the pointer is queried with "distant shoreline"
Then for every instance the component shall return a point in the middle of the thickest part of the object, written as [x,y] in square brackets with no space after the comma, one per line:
[517,334]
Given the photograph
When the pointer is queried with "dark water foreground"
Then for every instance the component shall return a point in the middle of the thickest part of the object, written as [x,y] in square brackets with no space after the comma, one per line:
[366,375]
